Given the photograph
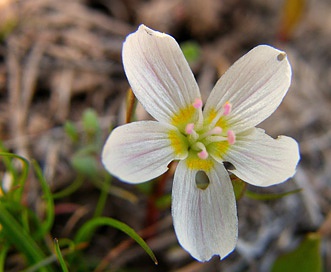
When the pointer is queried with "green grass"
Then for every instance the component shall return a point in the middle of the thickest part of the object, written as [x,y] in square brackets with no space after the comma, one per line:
[27,231]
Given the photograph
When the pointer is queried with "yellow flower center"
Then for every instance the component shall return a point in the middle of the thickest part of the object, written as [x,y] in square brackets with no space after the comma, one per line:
[201,136]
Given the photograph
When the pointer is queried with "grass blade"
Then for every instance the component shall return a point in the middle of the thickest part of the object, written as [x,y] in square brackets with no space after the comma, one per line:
[3,254]
[48,223]
[59,256]
[258,196]
[17,236]
[85,232]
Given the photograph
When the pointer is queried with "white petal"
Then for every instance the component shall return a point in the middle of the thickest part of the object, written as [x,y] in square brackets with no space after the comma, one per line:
[138,151]
[261,160]
[205,221]
[255,86]
[158,73]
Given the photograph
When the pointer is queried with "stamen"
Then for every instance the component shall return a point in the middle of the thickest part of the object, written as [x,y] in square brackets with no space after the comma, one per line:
[227,107]
[216,130]
[203,154]
[226,110]
[213,139]
[189,128]
[198,103]
[231,137]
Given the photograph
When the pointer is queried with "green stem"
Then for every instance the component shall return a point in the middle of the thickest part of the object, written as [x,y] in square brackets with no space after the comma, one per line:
[103,198]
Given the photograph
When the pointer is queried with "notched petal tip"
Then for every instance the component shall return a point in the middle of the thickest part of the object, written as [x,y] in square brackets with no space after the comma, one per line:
[158,73]
[255,85]
[281,56]
[150,31]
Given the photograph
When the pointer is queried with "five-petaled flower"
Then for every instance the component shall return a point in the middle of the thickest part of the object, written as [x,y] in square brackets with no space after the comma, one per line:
[201,137]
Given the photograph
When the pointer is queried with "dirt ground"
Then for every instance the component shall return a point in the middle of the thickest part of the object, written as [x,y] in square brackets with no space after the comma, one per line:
[59,58]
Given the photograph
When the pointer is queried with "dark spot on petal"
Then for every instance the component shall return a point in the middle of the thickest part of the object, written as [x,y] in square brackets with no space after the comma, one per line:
[281,56]
[201,180]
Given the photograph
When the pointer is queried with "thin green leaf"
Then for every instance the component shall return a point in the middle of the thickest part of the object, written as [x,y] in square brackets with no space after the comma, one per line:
[18,180]
[115,190]
[102,198]
[59,256]
[122,193]
[74,186]
[17,236]
[45,262]
[69,244]
[49,219]
[305,258]
[24,215]
[53,258]
[26,218]
[258,196]
[85,232]
[3,254]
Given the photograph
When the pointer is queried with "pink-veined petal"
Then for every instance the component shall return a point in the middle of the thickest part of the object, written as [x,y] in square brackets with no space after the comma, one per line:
[261,160]
[254,86]
[205,221]
[138,151]
[158,73]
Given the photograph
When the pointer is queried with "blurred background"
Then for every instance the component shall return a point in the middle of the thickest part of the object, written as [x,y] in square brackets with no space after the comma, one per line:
[62,89]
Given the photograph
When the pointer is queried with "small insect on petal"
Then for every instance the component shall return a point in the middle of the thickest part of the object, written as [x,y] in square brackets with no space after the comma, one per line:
[201,180]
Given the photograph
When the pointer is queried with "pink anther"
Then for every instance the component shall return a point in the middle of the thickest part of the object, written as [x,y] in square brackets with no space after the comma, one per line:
[203,154]
[198,103]
[227,107]
[189,128]
[231,137]
[216,130]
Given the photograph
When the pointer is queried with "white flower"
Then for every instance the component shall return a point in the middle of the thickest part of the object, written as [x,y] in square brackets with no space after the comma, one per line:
[202,138]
